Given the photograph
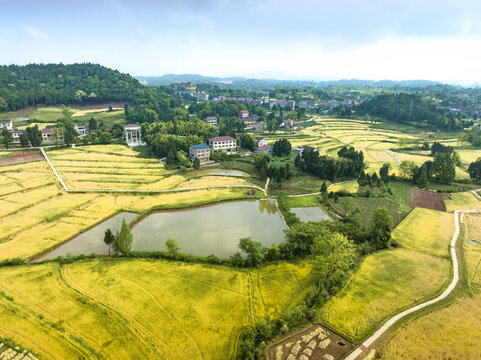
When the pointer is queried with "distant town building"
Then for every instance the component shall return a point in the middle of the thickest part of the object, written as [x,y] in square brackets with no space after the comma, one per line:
[258,127]
[6,124]
[211,120]
[250,120]
[202,96]
[132,135]
[223,143]
[243,114]
[307,104]
[200,151]
[291,104]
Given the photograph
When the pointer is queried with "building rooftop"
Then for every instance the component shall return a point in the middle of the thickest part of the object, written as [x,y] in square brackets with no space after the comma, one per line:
[200,146]
[221,138]
[264,147]
[132,127]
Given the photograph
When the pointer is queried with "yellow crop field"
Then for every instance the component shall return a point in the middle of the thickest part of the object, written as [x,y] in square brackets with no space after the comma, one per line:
[450,332]
[473,223]
[386,282]
[426,231]
[464,200]
[14,202]
[469,156]
[41,290]
[352,186]
[184,310]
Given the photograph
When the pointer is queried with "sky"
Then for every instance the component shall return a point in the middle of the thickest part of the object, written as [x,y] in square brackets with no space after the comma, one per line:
[302,39]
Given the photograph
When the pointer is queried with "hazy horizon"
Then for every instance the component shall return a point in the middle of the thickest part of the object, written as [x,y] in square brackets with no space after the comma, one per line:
[304,39]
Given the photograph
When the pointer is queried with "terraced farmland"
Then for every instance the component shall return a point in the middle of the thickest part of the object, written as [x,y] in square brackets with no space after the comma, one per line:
[116,167]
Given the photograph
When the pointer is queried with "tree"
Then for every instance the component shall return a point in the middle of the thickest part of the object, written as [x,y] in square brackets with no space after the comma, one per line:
[381,226]
[384,172]
[254,250]
[333,254]
[172,247]
[408,168]
[7,138]
[34,135]
[196,164]
[93,124]
[248,142]
[282,147]
[109,238]
[323,188]
[124,241]
[367,118]
[105,137]
[444,168]
[422,177]
[474,169]
[24,140]
[170,158]
[182,158]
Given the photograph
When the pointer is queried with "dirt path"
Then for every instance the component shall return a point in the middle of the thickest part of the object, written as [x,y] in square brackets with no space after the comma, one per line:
[393,156]
[360,350]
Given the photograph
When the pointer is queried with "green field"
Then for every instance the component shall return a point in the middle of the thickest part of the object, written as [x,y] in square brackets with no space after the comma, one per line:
[116,309]
[49,115]
[367,206]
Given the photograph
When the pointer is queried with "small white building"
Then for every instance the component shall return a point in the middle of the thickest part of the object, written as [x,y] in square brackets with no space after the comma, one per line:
[260,141]
[223,143]
[211,120]
[80,129]
[132,135]
[6,124]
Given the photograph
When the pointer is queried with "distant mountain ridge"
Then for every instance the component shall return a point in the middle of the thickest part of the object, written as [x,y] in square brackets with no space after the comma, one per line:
[255,83]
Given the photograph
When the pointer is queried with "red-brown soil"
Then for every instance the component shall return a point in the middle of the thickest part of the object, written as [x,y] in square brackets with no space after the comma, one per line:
[20,157]
[429,199]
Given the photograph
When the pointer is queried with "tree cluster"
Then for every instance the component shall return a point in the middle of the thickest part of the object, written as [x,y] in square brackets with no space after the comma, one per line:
[349,164]
[282,147]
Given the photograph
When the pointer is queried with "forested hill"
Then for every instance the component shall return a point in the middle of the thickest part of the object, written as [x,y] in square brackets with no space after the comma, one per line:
[413,109]
[53,84]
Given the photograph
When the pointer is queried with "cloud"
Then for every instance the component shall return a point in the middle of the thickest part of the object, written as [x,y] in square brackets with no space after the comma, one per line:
[35,33]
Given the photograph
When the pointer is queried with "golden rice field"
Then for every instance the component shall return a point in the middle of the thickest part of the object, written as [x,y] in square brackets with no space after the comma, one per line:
[141,309]
[389,281]
[462,201]
[426,231]
[116,167]
[451,332]
[329,135]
